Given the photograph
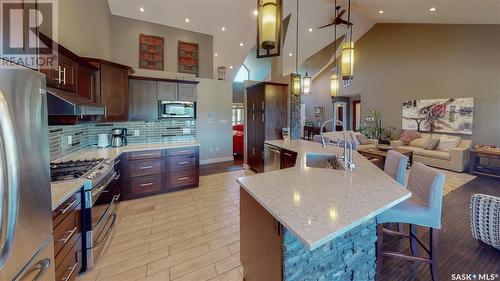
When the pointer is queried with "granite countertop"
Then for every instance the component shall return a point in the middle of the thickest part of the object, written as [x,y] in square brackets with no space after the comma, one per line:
[318,205]
[62,190]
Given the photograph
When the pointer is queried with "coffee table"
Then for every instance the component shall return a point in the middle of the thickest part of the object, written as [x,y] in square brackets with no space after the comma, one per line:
[375,153]
[476,167]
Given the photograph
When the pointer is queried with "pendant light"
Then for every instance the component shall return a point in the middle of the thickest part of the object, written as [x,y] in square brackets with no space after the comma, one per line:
[348,50]
[306,83]
[269,28]
[334,78]
[295,77]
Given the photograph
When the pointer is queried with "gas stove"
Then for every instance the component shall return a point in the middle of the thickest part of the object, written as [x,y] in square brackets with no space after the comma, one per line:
[91,169]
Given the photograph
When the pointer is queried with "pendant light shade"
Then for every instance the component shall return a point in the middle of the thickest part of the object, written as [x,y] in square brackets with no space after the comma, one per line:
[334,83]
[348,56]
[306,85]
[269,28]
[296,85]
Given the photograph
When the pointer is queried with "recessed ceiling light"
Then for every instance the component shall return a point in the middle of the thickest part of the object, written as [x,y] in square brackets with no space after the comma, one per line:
[216,54]
[255,13]
[230,67]
[186,20]
[310,29]
[241,44]
[380,12]
[223,28]
[433,9]
[141,9]
[290,54]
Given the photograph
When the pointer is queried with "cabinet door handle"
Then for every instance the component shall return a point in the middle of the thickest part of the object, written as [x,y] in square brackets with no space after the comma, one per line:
[71,233]
[59,79]
[146,167]
[146,184]
[183,163]
[263,117]
[183,151]
[253,116]
[72,269]
[145,154]
[64,76]
[70,205]
[262,105]
[288,154]
[183,178]
[253,106]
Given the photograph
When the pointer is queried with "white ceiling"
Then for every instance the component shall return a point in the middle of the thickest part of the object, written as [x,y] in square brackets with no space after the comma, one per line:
[209,16]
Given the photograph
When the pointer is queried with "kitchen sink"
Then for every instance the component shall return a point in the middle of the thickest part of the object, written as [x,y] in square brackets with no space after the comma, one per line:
[323,161]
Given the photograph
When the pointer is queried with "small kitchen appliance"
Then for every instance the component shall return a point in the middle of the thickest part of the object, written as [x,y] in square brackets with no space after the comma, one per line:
[119,137]
[102,140]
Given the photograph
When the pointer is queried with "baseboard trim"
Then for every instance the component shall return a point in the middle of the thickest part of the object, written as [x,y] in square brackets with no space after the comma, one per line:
[216,160]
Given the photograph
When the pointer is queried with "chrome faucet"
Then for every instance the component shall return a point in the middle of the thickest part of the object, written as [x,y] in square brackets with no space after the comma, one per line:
[347,153]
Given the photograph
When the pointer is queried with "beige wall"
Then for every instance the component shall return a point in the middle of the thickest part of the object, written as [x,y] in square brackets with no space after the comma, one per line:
[85,27]
[125,38]
[398,62]
[215,100]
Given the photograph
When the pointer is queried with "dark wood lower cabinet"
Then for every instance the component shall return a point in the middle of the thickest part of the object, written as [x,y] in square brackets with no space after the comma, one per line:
[288,158]
[146,173]
[67,223]
[261,241]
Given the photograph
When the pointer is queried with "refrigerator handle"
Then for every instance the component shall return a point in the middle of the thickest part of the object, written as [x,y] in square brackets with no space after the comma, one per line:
[12,194]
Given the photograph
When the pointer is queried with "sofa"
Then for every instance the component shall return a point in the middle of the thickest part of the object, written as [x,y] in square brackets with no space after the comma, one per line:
[334,137]
[454,159]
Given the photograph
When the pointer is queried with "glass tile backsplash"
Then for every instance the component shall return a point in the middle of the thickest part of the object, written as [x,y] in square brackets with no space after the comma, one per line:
[67,139]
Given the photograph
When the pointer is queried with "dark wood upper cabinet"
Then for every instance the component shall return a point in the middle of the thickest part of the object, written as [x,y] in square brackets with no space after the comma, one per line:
[113,89]
[86,83]
[167,91]
[143,100]
[266,116]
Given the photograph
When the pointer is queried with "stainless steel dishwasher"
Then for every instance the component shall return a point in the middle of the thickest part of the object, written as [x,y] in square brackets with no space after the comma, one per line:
[272,158]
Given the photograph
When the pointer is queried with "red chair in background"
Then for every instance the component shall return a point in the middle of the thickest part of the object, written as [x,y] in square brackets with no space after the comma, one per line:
[238,139]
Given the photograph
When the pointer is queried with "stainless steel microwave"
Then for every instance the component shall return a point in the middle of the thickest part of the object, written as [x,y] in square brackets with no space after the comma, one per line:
[177,109]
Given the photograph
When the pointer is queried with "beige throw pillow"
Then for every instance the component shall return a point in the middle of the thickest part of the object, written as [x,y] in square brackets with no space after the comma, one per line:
[420,142]
[431,144]
[362,139]
[446,143]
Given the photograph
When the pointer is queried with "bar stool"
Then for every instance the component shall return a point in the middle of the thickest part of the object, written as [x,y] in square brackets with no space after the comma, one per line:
[422,209]
[395,166]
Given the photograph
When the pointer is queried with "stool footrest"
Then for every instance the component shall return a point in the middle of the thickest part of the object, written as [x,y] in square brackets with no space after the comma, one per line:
[411,258]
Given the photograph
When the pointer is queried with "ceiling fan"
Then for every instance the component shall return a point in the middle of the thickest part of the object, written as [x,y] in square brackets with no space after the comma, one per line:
[338,19]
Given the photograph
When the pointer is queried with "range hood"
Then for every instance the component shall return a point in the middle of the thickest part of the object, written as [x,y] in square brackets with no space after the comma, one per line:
[60,102]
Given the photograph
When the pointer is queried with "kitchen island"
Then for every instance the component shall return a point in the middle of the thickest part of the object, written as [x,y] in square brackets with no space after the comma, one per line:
[313,221]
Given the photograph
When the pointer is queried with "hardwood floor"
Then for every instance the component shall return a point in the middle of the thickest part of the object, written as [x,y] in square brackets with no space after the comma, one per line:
[222,167]
[194,235]
[458,251]
[186,235]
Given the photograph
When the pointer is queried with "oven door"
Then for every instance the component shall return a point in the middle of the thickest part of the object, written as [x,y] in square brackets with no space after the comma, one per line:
[177,109]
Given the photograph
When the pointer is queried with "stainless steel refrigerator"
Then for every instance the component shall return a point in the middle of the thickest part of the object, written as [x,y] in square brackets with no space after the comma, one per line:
[26,243]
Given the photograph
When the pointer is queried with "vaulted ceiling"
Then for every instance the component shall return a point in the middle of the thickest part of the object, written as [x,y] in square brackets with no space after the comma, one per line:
[239,22]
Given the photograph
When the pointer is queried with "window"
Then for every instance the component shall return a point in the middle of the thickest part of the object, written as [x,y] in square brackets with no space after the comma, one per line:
[238,114]
[243,74]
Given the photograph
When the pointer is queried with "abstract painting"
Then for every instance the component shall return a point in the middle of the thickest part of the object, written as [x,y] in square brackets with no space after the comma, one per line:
[452,115]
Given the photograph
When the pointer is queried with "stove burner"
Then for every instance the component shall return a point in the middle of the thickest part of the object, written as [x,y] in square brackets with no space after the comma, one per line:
[72,169]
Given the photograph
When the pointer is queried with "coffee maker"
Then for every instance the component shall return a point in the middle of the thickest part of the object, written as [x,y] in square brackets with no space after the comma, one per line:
[119,137]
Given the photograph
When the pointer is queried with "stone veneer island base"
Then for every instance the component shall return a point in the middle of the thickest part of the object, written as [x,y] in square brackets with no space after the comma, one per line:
[271,252]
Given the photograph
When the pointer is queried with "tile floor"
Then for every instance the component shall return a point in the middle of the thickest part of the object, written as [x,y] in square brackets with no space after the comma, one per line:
[186,235]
